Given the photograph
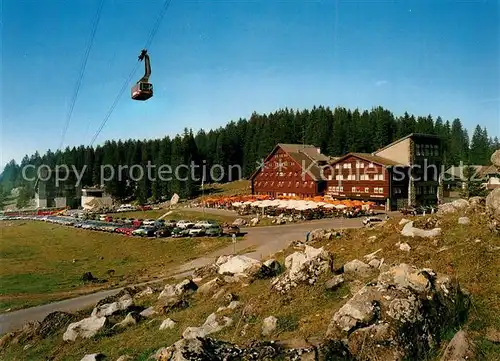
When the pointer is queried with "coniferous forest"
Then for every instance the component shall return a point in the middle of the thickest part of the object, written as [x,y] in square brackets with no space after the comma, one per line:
[246,141]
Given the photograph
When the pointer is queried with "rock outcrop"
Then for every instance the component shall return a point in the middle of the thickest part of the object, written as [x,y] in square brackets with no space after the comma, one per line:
[212,324]
[182,288]
[85,328]
[357,268]
[493,210]
[460,348]
[235,264]
[400,316]
[453,207]
[269,325]
[410,231]
[303,267]
[122,303]
[208,349]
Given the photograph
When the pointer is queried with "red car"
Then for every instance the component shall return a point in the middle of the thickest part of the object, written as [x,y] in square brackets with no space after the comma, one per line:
[125,230]
[137,222]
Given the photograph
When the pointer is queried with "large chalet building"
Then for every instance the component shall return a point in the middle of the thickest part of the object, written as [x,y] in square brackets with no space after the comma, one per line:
[404,172]
[291,170]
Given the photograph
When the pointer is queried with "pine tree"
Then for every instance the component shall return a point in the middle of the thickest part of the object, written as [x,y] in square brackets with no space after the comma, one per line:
[472,186]
[480,147]
[2,196]
[459,144]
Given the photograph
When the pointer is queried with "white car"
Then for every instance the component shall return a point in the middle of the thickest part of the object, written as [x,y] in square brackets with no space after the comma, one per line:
[125,208]
[183,224]
[369,220]
[148,222]
[196,231]
[204,224]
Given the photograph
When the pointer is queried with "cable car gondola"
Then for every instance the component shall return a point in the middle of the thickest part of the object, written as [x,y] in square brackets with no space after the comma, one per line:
[143,89]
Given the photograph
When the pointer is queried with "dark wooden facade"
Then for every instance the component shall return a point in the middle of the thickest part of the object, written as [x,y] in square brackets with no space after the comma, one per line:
[284,175]
[354,177]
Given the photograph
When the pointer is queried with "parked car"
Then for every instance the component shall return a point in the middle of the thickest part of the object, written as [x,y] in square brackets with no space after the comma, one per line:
[180,232]
[159,223]
[184,224]
[231,229]
[214,231]
[148,222]
[196,231]
[126,208]
[170,223]
[125,230]
[369,220]
[144,232]
[137,222]
[163,232]
[205,224]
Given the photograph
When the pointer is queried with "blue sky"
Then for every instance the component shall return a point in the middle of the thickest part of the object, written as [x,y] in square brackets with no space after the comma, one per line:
[213,61]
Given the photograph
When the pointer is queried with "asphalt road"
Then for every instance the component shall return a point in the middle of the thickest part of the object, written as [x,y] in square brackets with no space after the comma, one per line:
[260,241]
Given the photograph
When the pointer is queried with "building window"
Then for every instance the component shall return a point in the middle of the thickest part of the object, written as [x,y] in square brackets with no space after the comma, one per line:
[351,177]
[360,165]
[310,184]
[289,184]
[330,177]
[396,190]
[337,166]
[378,190]
[367,190]
[364,177]
[379,177]
[339,177]
[347,165]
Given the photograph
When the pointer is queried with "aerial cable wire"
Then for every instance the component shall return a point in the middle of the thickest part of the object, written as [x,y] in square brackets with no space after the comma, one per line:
[82,72]
[129,77]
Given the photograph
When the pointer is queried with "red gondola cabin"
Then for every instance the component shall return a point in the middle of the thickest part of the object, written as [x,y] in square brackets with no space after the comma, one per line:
[142,91]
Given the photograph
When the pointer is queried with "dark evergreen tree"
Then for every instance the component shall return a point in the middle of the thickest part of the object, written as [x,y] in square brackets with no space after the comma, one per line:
[480,148]
[473,186]
[459,144]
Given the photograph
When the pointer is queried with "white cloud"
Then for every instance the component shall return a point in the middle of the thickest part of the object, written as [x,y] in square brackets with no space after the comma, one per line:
[381,82]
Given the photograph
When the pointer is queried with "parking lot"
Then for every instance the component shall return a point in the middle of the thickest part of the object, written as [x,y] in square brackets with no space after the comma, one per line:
[149,228]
